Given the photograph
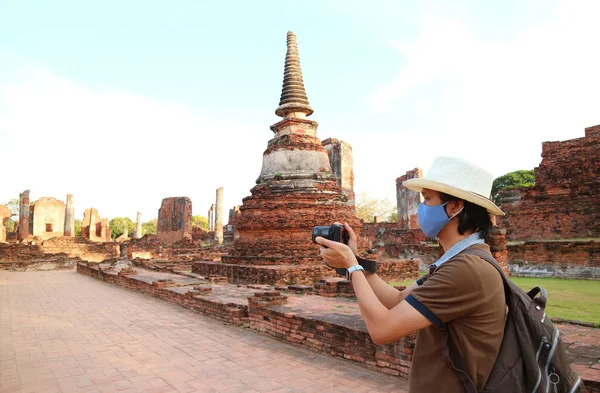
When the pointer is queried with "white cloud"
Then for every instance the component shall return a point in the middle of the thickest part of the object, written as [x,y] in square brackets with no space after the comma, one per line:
[500,100]
[118,151]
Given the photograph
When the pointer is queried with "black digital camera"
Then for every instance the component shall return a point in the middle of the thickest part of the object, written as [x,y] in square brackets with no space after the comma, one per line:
[334,232]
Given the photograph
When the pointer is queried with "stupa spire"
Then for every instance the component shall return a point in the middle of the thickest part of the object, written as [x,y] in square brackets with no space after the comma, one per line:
[293,100]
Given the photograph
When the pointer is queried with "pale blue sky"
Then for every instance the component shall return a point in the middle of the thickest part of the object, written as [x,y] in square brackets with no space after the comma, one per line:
[123,103]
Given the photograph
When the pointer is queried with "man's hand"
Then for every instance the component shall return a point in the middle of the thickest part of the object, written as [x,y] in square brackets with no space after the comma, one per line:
[337,254]
[352,240]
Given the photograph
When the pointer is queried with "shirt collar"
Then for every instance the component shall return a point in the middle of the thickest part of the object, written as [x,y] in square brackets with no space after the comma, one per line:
[457,248]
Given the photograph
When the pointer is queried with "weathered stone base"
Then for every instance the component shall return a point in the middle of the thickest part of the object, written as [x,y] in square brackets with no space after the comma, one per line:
[564,259]
[44,264]
[556,271]
[397,270]
[264,275]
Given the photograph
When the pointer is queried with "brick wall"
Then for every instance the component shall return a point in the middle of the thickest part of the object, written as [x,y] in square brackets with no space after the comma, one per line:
[82,248]
[174,219]
[63,252]
[564,202]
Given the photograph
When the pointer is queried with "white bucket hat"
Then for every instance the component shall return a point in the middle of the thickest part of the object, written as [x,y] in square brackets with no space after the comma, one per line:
[458,178]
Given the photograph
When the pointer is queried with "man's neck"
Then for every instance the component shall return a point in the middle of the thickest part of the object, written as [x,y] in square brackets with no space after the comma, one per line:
[449,240]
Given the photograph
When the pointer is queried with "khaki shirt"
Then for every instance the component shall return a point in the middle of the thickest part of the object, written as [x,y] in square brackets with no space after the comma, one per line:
[467,292]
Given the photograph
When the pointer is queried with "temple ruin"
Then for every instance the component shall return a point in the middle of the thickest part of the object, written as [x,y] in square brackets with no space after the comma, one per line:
[95,228]
[408,201]
[296,190]
[23,230]
[47,218]
[5,215]
[174,220]
[554,227]
[69,227]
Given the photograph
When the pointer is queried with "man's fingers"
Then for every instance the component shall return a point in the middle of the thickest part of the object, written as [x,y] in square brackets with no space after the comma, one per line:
[350,231]
[326,242]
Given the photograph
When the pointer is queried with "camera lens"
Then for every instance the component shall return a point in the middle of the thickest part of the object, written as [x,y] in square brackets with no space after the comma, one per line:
[322,231]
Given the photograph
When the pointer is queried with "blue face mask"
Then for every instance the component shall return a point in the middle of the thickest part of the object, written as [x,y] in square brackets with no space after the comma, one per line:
[433,219]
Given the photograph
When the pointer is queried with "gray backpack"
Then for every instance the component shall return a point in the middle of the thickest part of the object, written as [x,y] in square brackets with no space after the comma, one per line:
[532,358]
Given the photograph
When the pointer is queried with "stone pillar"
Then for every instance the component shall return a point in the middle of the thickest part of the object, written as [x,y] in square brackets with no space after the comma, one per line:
[123,251]
[5,215]
[24,215]
[211,218]
[407,201]
[138,226]
[342,165]
[219,216]
[69,217]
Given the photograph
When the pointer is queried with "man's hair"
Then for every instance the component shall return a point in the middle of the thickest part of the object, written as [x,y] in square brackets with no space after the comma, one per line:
[472,217]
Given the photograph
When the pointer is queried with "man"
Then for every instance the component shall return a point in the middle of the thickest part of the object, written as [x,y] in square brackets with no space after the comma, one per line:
[462,291]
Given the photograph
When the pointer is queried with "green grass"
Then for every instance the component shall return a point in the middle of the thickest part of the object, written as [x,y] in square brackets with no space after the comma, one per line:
[567,299]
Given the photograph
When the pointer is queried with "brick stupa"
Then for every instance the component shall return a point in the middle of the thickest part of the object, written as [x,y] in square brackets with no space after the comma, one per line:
[297,189]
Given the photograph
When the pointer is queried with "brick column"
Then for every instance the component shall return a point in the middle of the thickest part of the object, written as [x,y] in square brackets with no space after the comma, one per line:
[69,217]
[24,215]
[219,216]
[497,242]
[138,226]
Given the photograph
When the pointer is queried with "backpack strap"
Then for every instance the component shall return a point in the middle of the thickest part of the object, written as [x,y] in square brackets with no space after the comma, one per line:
[538,303]
[457,365]
[451,355]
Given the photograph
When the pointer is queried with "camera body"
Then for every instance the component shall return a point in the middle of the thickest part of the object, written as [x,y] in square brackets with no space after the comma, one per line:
[334,232]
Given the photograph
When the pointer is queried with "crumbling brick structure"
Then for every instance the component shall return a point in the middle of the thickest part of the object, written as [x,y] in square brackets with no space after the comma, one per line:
[564,202]
[174,220]
[296,190]
[342,164]
[95,228]
[23,229]
[229,232]
[5,215]
[47,218]
[407,201]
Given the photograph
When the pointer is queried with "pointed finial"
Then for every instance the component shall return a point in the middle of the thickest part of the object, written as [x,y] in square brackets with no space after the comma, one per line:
[293,96]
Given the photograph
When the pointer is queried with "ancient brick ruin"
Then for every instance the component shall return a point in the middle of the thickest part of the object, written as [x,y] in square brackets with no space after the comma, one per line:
[5,215]
[174,220]
[555,225]
[69,226]
[563,204]
[95,228]
[407,201]
[23,228]
[47,217]
[229,232]
[297,189]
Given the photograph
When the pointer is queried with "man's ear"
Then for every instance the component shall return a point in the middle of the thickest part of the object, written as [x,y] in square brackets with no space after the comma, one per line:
[456,207]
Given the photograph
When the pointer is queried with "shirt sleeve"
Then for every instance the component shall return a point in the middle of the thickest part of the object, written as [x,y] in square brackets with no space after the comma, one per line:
[422,279]
[452,291]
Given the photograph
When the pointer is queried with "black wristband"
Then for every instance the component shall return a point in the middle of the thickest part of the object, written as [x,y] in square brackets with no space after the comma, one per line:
[368,265]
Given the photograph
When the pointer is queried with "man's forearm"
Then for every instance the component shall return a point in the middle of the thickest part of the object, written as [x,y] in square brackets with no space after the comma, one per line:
[372,310]
[387,295]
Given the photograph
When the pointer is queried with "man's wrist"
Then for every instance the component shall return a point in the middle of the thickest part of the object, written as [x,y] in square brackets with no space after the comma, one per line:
[352,269]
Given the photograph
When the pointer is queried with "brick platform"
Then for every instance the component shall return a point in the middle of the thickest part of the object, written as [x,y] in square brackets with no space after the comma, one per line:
[324,324]
[62,332]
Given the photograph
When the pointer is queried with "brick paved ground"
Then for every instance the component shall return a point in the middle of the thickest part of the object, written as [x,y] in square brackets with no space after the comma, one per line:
[64,332]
